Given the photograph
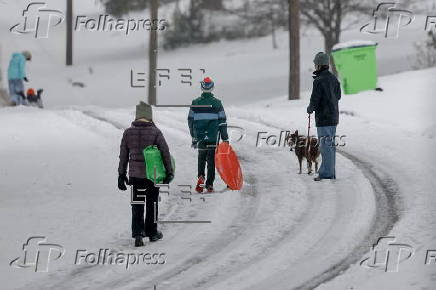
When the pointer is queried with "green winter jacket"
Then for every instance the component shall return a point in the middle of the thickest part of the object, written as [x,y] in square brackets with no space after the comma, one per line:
[206,122]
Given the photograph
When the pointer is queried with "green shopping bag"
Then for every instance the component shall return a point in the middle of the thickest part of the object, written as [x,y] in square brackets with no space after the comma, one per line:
[154,164]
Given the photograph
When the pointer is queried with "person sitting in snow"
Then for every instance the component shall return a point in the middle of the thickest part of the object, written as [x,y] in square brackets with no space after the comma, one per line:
[205,122]
[16,76]
[324,101]
[34,99]
[141,134]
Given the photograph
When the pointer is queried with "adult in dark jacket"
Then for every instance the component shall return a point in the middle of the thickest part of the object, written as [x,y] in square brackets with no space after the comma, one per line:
[324,101]
[207,121]
[141,134]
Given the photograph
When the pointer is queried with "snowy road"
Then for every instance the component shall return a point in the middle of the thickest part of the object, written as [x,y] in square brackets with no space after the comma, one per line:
[281,231]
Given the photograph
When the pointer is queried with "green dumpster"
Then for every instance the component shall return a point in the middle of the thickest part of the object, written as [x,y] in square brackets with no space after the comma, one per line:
[357,65]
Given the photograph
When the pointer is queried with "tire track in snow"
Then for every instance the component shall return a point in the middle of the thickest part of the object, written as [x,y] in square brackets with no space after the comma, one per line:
[240,225]
[215,247]
[386,215]
[246,212]
[388,207]
[87,271]
[229,268]
[385,190]
[94,115]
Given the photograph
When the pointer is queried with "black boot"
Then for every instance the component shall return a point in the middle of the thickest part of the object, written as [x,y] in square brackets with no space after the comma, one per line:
[138,241]
[156,236]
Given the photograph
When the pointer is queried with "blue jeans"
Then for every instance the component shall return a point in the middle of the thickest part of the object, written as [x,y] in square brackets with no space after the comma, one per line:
[16,86]
[326,137]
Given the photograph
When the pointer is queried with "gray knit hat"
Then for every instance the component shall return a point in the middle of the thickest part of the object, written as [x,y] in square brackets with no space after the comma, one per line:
[144,111]
[27,54]
[321,58]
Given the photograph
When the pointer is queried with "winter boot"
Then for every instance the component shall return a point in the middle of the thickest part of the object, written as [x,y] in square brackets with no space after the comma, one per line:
[156,236]
[138,241]
[209,188]
[200,185]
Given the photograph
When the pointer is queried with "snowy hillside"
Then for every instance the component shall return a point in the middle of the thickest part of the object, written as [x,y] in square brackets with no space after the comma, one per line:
[244,70]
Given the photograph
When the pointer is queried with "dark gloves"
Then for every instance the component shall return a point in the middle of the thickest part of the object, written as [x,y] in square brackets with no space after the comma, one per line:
[168,179]
[122,181]
[309,111]
[194,143]
[26,79]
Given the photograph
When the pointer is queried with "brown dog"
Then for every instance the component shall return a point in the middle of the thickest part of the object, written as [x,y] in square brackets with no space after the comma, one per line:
[304,149]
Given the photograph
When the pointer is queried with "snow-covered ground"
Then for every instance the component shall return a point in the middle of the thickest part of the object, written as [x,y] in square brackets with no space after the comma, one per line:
[281,231]
[58,169]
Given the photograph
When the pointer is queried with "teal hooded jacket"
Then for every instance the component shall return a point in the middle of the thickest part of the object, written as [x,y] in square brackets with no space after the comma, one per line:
[17,67]
[206,121]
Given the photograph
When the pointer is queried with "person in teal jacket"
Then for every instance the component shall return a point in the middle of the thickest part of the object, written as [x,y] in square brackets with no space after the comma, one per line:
[16,76]
[207,122]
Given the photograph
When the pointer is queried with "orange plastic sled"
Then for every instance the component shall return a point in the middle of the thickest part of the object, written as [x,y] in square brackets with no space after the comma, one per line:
[227,164]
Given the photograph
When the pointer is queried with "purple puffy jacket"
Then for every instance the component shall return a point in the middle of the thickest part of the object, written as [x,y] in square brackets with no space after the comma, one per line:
[135,140]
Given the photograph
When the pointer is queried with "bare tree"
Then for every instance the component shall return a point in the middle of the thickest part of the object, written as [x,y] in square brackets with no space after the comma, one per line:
[327,16]
[263,17]
[426,52]
[273,24]
[152,53]
[212,4]
[4,98]
[69,44]
[294,49]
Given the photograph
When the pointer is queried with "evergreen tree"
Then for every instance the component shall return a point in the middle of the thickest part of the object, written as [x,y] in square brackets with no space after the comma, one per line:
[121,7]
[189,27]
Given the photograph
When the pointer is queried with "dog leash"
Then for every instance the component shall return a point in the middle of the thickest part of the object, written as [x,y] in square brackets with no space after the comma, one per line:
[308,133]
[308,127]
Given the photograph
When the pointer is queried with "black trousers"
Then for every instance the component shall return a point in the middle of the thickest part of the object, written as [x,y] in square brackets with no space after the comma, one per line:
[141,187]
[206,155]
